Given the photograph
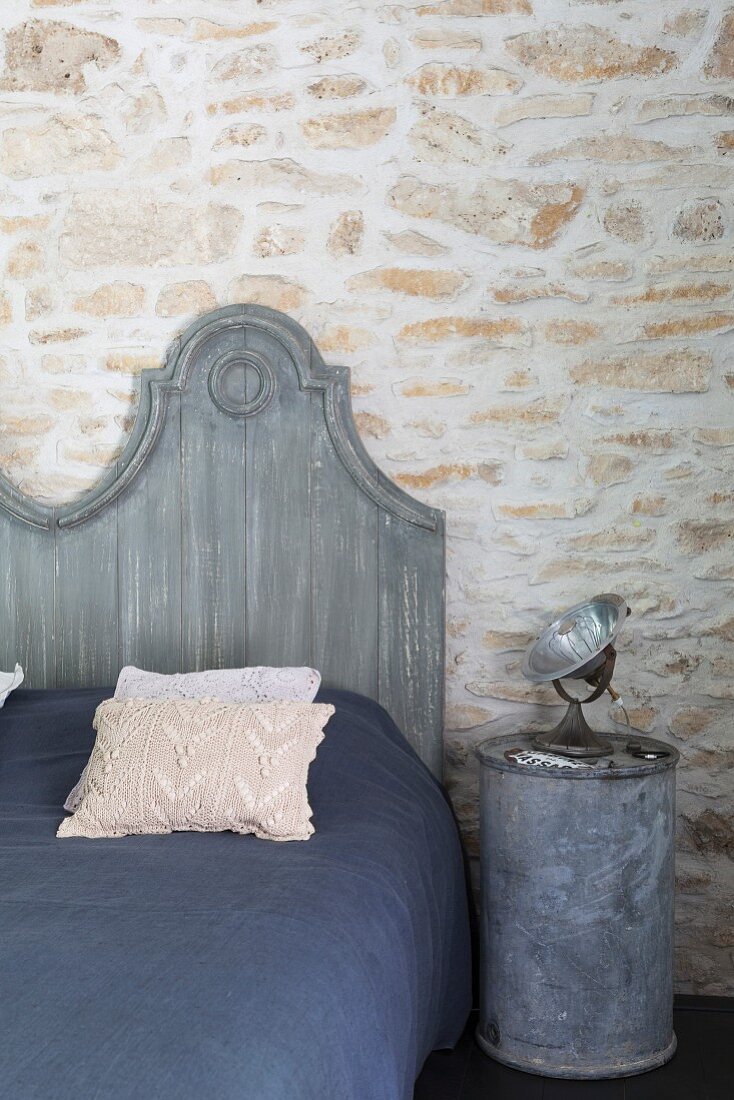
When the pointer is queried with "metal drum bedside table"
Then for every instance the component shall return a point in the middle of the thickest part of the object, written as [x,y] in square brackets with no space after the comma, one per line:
[577,908]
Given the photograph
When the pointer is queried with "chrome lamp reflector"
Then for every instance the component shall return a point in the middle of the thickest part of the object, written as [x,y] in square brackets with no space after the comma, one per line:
[578,646]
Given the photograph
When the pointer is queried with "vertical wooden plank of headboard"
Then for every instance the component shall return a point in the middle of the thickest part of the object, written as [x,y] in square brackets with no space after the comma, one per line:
[411,684]
[27,610]
[213,520]
[149,556]
[86,602]
[278,517]
[344,567]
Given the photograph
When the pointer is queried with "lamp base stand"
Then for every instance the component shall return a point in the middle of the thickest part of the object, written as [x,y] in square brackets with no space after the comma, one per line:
[573,736]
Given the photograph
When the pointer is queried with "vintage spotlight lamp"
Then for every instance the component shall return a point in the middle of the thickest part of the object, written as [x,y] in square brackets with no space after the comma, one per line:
[578,646]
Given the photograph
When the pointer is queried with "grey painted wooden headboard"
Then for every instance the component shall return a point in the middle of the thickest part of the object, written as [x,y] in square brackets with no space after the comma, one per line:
[244,523]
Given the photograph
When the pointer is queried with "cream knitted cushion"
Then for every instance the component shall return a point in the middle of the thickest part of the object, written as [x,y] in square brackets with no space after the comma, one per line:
[257,684]
[204,765]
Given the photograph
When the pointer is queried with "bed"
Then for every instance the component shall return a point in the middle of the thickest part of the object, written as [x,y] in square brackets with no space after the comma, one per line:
[243,524]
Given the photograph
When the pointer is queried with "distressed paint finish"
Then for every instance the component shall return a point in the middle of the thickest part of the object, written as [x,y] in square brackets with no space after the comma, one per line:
[411,608]
[27,608]
[345,540]
[577,913]
[150,516]
[213,517]
[87,602]
[278,538]
[220,539]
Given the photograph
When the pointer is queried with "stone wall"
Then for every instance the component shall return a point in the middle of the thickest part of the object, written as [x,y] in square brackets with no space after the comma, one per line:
[512,218]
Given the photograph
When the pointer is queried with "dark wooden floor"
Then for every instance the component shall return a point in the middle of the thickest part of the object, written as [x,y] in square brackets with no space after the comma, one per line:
[702,1069]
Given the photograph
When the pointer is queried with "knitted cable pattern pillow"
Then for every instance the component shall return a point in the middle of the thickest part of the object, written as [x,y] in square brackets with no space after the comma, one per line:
[203,765]
[257,684]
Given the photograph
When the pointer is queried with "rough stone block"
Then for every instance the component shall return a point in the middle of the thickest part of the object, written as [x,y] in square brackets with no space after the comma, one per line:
[119,227]
[49,56]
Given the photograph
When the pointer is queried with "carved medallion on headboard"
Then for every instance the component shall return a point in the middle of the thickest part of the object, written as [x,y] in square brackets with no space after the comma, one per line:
[244,523]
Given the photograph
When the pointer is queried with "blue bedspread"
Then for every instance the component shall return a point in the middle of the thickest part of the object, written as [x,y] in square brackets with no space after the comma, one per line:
[220,966]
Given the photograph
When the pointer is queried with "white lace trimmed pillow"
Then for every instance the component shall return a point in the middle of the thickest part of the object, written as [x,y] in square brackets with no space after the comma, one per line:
[258,684]
[160,766]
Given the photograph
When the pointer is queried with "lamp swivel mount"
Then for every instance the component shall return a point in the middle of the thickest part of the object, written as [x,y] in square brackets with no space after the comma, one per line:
[578,646]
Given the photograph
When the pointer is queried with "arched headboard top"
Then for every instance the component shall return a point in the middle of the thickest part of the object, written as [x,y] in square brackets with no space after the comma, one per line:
[244,523]
[157,385]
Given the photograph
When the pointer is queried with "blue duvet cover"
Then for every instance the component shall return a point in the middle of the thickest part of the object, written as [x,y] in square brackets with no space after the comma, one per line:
[220,966]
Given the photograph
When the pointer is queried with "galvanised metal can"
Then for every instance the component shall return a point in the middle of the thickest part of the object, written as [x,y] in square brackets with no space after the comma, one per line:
[577,887]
